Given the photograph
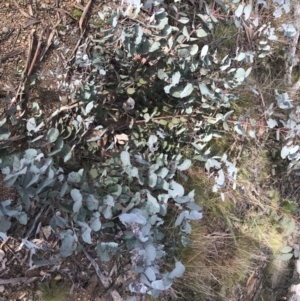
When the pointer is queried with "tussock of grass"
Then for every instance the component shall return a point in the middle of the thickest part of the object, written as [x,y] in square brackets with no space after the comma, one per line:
[53,291]
[235,235]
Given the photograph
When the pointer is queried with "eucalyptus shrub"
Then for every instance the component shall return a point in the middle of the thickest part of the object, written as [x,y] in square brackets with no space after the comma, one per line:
[125,207]
[162,81]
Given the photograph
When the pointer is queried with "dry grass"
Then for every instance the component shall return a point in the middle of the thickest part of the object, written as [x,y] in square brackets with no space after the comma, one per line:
[53,291]
[235,236]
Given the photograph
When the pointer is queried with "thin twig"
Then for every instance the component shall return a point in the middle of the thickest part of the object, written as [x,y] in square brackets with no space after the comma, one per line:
[64,108]
[14,281]
[36,53]
[11,54]
[30,45]
[17,36]
[76,46]
[84,13]
[101,277]
[21,10]
[49,40]
[34,223]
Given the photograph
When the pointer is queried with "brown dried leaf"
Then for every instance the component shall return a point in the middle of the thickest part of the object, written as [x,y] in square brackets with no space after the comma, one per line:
[262,128]
[121,138]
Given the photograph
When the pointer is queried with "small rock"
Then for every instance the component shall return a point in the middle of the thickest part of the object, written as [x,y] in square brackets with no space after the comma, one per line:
[5,30]
[1,288]
[7,4]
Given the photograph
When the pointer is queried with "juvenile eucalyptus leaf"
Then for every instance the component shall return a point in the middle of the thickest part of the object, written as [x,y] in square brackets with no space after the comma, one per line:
[239,10]
[149,272]
[52,135]
[285,152]
[3,236]
[152,143]
[125,158]
[152,179]
[68,245]
[5,224]
[95,223]
[180,219]
[31,124]
[85,232]
[286,249]
[185,165]
[178,270]
[74,177]
[284,257]
[204,51]
[63,189]
[150,252]
[130,218]
[272,123]
[92,203]
[159,285]
[188,89]
[247,11]
[176,190]
[201,33]
[89,107]
[77,198]
[152,205]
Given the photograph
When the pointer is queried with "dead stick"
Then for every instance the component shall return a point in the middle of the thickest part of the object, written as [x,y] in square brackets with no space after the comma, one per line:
[35,221]
[49,40]
[30,45]
[64,108]
[101,277]
[36,53]
[21,10]
[84,15]
[23,82]
[76,46]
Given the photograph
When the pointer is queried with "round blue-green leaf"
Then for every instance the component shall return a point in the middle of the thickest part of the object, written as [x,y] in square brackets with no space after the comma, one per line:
[125,158]
[239,10]
[204,51]
[247,11]
[285,257]
[178,271]
[286,249]
[185,165]
[89,107]
[201,33]
[52,135]
[31,124]
[187,90]
[152,180]
[194,49]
